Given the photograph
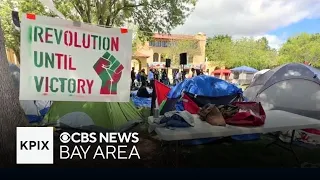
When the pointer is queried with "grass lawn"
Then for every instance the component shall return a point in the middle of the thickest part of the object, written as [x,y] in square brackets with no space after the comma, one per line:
[223,153]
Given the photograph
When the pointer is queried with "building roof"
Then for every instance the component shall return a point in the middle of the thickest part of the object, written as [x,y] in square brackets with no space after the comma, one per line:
[173,36]
[138,54]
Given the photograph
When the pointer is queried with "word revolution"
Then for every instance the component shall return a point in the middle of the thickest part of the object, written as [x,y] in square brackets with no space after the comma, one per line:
[65,62]
[74,39]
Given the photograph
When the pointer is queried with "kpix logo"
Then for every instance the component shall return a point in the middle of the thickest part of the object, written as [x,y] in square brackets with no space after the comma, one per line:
[34,145]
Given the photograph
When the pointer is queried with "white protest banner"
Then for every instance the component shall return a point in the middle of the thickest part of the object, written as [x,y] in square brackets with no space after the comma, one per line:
[67,61]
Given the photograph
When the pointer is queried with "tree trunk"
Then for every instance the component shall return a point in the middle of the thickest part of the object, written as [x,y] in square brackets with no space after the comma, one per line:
[11,113]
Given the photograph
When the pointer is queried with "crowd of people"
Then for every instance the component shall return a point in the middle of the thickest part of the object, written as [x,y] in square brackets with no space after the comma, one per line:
[142,80]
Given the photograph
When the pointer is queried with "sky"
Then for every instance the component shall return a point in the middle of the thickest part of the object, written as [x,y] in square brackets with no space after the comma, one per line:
[274,19]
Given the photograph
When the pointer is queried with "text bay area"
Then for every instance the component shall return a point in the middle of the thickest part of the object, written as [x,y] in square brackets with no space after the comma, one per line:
[47,84]
[100,152]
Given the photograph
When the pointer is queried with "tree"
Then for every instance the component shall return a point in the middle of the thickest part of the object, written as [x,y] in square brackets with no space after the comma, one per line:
[148,15]
[223,51]
[11,114]
[219,50]
[12,35]
[301,48]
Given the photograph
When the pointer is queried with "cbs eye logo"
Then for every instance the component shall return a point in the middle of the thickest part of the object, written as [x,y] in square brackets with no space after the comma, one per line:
[65,137]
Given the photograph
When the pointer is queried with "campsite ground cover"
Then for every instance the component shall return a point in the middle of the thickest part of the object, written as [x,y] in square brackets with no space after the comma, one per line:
[224,153]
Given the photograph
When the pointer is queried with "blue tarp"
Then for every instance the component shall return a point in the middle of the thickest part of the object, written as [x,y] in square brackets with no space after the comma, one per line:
[204,86]
[139,101]
[244,69]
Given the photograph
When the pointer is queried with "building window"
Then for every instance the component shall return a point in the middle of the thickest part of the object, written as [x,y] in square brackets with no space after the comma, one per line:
[151,43]
[158,44]
[164,44]
[155,57]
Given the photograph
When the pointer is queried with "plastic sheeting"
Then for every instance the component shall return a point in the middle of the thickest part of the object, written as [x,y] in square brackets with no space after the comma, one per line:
[244,69]
[204,86]
[139,101]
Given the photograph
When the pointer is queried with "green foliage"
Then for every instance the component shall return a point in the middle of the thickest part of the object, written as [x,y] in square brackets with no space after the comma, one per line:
[6,7]
[148,15]
[223,51]
[12,36]
[304,47]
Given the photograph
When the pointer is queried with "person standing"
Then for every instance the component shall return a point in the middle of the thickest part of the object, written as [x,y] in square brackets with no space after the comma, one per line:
[193,72]
[183,75]
[177,77]
[151,78]
[133,77]
[198,72]
[138,77]
[164,77]
[201,72]
[207,72]
[143,77]
[174,77]
[156,74]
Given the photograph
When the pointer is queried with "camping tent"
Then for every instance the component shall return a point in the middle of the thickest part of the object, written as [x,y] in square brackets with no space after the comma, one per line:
[291,87]
[34,110]
[93,116]
[201,90]
[242,75]
[257,74]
